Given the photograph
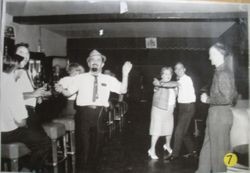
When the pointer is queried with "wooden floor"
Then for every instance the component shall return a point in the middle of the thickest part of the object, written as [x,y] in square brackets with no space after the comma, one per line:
[126,152]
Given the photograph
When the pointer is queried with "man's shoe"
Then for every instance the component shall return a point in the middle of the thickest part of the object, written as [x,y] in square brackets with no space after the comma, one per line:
[170,158]
[191,155]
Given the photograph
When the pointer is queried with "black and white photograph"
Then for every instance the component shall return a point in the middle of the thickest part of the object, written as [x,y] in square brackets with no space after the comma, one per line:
[124,86]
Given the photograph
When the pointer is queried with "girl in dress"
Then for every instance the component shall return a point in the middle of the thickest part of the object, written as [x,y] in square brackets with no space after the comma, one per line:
[162,122]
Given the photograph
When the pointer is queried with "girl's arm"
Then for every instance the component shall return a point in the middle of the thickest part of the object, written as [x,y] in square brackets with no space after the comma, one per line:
[170,84]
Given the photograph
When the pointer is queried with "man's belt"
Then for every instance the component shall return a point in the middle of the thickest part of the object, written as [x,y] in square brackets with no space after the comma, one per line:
[93,106]
[212,105]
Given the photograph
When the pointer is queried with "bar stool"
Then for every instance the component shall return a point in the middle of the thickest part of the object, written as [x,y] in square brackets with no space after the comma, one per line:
[197,124]
[110,123]
[118,117]
[13,152]
[69,124]
[55,132]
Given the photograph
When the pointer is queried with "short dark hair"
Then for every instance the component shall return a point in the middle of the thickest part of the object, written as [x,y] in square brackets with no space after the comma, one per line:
[11,62]
[22,44]
[222,48]
[181,63]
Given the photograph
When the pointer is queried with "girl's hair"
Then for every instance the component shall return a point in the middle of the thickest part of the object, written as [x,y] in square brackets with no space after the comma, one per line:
[167,68]
[11,62]
[76,67]
[228,55]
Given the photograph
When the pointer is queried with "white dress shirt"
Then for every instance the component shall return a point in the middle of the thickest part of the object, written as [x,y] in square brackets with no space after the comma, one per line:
[84,84]
[13,106]
[26,86]
[186,90]
[66,82]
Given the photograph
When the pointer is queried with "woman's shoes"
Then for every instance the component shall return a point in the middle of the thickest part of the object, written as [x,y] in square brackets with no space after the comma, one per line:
[165,147]
[152,155]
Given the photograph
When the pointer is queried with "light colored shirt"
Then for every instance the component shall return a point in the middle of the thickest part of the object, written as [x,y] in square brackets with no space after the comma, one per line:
[66,82]
[186,90]
[13,107]
[84,84]
[26,86]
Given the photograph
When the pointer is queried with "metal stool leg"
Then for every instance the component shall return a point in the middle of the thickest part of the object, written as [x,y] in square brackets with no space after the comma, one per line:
[72,143]
[72,149]
[64,147]
[5,166]
[54,152]
[14,165]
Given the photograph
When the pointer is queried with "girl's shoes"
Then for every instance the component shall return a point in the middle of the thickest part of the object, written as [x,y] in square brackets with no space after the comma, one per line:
[152,155]
[165,147]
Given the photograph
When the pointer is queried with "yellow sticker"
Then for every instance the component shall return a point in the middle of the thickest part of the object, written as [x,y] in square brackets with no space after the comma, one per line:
[230,159]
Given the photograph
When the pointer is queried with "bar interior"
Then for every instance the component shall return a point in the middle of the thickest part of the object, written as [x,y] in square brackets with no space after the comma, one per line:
[120,86]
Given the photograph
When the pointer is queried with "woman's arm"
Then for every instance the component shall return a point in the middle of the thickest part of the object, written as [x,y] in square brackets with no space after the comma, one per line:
[170,84]
[63,91]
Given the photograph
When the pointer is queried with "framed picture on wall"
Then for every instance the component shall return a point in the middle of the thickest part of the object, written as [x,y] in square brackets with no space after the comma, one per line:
[151,42]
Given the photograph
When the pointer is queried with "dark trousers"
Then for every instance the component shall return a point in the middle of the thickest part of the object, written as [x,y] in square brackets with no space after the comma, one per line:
[33,120]
[37,141]
[89,130]
[182,134]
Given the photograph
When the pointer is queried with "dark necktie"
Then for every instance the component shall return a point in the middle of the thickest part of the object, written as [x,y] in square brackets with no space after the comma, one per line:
[95,89]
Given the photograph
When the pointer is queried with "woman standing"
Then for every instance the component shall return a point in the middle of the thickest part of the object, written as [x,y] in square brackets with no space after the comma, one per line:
[73,69]
[220,118]
[162,112]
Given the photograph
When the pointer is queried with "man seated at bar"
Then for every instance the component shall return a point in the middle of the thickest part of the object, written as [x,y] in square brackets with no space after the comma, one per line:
[14,117]
[31,94]
[93,94]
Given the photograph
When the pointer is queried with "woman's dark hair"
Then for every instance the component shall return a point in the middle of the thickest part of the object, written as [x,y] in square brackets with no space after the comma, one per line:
[20,45]
[11,62]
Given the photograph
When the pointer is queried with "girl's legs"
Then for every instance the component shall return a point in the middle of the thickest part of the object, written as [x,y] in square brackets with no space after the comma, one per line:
[151,151]
[167,144]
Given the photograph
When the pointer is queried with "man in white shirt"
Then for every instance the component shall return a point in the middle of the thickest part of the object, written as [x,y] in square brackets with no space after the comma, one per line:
[93,96]
[26,84]
[186,109]
[13,118]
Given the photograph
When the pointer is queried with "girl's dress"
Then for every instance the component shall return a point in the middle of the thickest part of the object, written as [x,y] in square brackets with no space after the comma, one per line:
[162,122]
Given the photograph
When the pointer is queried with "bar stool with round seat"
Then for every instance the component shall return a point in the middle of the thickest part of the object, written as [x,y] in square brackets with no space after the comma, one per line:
[69,124]
[55,132]
[13,152]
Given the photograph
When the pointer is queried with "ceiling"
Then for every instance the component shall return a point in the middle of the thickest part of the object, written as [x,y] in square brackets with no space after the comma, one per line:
[57,7]
[178,29]
[143,29]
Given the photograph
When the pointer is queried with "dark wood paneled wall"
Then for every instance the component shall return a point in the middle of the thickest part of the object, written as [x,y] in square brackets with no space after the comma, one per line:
[236,38]
[148,62]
